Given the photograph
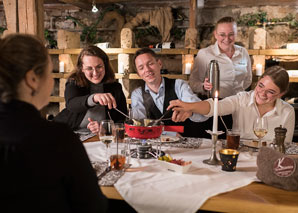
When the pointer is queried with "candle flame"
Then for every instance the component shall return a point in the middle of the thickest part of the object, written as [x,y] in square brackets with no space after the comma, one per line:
[216,94]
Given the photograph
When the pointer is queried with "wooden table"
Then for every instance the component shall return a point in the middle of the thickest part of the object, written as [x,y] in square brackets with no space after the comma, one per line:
[255,197]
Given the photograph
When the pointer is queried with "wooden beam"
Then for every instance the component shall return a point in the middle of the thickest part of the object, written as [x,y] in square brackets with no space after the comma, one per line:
[83,4]
[11,14]
[248,3]
[192,13]
[31,19]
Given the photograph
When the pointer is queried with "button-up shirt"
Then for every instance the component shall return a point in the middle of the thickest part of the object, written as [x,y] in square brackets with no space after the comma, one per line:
[183,92]
[244,112]
[235,73]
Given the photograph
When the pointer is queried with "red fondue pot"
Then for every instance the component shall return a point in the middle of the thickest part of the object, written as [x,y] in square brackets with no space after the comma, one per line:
[147,132]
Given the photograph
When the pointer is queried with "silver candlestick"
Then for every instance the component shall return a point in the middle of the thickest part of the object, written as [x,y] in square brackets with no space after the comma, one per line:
[213,158]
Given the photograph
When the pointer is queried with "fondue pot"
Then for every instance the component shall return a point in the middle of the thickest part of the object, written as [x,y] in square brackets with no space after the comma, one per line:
[147,132]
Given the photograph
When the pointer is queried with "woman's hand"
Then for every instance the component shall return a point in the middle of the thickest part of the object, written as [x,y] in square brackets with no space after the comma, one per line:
[207,85]
[180,106]
[93,126]
[105,99]
[180,116]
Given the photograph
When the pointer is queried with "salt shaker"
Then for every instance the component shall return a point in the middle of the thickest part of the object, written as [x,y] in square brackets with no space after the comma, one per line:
[280,135]
[213,76]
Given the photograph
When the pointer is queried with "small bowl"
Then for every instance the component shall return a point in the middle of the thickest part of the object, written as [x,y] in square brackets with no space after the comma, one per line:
[174,167]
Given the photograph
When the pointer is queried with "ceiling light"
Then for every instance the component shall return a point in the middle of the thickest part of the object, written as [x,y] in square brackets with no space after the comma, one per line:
[94,8]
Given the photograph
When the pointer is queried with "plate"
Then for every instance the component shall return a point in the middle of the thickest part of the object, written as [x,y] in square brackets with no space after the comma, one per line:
[253,144]
[169,139]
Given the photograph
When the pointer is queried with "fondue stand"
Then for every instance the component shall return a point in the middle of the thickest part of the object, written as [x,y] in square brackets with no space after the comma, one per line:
[145,136]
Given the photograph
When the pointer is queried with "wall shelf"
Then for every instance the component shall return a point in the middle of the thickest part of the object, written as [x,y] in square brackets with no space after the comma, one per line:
[134,76]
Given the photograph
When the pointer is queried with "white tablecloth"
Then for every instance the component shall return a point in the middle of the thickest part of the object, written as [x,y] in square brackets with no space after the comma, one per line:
[156,189]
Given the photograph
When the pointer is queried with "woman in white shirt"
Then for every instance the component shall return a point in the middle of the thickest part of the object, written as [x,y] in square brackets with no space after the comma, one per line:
[245,107]
[234,62]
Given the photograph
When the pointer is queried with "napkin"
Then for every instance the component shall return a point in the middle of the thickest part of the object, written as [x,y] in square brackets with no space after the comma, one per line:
[156,189]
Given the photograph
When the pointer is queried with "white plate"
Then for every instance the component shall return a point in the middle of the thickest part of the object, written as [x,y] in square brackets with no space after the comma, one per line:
[169,139]
[253,144]
[165,139]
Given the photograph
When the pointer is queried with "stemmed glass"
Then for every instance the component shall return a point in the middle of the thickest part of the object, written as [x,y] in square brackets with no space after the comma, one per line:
[260,128]
[105,134]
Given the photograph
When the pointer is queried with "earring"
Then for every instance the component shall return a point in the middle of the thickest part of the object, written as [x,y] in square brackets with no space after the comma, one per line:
[33,93]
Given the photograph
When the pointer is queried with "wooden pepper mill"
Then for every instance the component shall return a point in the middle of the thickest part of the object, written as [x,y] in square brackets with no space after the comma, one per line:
[280,135]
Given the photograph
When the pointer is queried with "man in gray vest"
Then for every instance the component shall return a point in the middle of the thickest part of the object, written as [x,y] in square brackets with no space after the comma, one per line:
[152,99]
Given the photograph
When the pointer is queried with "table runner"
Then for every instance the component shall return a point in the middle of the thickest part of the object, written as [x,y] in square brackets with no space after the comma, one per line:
[156,189]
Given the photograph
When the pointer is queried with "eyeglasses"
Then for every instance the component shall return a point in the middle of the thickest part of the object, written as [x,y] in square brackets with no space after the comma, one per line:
[98,68]
[223,35]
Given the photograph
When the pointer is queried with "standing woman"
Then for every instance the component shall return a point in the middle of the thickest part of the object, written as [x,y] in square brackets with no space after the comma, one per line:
[234,62]
[44,166]
[91,93]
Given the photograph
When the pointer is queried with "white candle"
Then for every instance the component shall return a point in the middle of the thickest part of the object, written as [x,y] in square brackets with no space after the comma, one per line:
[259,69]
[61,66]
[215,113]
[187,68]
[120,67]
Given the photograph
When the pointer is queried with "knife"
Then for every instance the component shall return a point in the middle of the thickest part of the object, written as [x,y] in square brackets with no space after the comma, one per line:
[99,177]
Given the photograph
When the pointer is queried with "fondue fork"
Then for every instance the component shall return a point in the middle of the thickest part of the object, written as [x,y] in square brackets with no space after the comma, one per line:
[122,113]
[138,123]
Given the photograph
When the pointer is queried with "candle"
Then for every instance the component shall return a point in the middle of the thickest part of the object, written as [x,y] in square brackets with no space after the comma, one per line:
[187,68]
[259,69]
[215,113]
[120,67]
[61,66]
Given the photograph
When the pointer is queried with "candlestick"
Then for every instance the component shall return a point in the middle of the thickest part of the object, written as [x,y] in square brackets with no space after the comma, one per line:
[259,69]
[187,68]
[61,66]
[215,113]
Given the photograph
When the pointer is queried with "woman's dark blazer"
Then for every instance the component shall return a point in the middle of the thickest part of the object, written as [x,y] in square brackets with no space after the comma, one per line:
[76,103]
[43,165]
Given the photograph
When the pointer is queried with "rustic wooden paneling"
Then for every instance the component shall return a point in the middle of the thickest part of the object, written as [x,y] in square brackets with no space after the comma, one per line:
[10,7]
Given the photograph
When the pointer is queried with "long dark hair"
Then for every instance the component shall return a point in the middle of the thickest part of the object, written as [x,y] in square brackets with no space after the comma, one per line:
[79,77]
[19,53]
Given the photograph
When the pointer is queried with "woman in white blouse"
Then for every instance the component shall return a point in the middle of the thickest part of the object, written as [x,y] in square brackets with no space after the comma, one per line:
[264,101]
[234,62]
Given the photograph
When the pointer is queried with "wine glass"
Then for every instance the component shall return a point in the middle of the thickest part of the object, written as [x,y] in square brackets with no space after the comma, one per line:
[260,128]
[105,134]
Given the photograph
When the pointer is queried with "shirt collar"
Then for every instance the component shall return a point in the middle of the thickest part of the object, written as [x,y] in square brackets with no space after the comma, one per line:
[276,109]
[161,87]
[217,50]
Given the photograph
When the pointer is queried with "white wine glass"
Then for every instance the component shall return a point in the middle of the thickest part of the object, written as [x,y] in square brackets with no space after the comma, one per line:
[260,128]
[106,134]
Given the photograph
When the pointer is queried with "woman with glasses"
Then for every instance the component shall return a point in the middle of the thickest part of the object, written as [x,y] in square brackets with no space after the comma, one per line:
[264,101]
[234,65]
[234,62]
[91,93]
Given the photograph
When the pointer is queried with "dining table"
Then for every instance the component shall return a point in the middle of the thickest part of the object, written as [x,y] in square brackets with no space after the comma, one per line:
[252,197]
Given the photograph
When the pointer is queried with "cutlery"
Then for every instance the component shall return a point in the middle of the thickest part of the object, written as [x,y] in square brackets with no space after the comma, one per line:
[155,122]
[122,113]
[136,122]
[99,177]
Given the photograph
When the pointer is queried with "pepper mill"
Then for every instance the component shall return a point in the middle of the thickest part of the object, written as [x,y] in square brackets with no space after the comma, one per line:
[213,76]
[280,135]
